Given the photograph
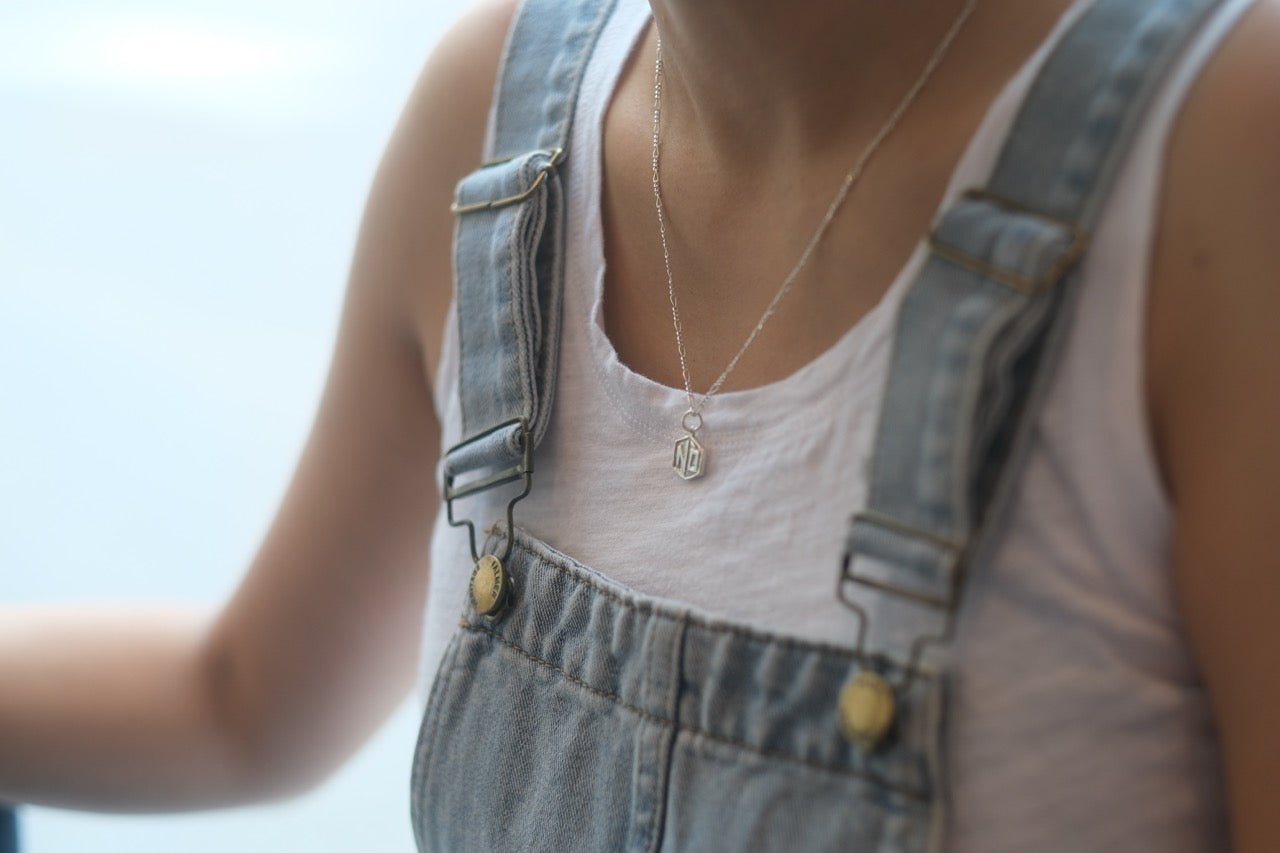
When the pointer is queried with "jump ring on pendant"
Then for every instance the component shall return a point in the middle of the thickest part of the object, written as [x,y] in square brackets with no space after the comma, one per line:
[697,422]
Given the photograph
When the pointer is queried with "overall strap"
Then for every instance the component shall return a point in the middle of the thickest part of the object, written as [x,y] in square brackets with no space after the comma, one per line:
[508,249]
[980,331]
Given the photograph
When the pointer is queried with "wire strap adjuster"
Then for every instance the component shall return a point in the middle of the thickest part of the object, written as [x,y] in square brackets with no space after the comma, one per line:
[522,471]
[555,157]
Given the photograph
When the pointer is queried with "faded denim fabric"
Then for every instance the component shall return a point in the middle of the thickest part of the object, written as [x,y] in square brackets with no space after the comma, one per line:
[591,717]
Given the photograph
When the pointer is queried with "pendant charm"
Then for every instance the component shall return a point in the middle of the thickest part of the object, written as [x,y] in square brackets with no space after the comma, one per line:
[690,460]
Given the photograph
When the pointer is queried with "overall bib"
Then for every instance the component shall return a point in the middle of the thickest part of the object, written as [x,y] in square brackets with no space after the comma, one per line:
[572,713]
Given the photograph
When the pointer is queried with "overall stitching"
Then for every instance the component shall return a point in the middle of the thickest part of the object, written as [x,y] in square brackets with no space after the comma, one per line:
[520,319]
[431,724]
[673,703]
[692,730]
[743,631]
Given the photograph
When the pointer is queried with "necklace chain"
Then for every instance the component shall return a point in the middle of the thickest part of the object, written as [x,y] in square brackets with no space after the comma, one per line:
[692,420]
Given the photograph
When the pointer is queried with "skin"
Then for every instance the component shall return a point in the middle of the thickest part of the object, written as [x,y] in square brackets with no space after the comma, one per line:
[268,695]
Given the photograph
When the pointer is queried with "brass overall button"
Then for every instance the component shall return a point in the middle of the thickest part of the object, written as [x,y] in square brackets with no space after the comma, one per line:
[866,710]
[490,586]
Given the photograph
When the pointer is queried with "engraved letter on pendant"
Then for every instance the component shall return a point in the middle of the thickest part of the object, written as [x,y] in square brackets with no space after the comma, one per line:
[690,459]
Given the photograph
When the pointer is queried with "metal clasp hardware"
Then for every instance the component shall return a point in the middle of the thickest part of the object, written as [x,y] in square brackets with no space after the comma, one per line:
[522,471]
[849,578]
[1074,251]
[556,157]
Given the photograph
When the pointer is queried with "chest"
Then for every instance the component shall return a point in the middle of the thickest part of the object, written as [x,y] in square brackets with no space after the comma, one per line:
[737,234]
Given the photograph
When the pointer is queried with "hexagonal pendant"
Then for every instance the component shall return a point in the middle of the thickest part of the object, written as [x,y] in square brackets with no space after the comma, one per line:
[690,460]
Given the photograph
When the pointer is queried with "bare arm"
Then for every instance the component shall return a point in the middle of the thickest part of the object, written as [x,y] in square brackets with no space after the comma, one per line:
[1214,385]
[151,709]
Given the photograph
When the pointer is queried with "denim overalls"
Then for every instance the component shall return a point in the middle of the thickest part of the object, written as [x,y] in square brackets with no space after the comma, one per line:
[571,713]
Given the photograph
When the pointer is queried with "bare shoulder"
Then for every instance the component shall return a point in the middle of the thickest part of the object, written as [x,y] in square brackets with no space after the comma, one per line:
[438,139]
[1215,291]
[1213,381]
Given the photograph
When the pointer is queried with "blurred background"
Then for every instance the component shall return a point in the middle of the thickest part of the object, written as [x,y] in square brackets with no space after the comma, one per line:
[180,185]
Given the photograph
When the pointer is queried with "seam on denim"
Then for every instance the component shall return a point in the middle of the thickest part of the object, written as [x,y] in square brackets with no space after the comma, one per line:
[646,693]
[517,259]
[691,620]
[551,321]
[687,729]
[458,251]
[661,734]
[539,220]
[421,762]
[673,707]
[540,552]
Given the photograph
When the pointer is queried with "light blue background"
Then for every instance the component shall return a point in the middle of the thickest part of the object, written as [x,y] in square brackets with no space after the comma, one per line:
[180,185]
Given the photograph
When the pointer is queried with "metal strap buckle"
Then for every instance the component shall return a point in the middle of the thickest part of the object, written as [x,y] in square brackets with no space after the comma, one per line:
[522,471]
[556,155]
[849,578]
[955,550]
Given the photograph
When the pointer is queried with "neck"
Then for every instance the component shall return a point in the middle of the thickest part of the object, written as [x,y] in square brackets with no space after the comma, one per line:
[757,78]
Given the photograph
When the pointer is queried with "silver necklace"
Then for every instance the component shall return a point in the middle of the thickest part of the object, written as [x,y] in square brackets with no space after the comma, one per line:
[690,458]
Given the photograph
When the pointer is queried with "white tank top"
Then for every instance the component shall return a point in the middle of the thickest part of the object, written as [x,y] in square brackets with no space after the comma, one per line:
[1078,721]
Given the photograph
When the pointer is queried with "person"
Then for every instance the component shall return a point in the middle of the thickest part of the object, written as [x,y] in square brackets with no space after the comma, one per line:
[1109,677]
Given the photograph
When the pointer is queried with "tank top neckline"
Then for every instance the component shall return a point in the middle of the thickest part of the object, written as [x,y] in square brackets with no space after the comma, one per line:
[654,408]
